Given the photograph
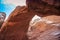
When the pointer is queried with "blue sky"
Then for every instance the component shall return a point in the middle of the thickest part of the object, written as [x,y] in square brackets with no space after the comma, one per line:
[8,6]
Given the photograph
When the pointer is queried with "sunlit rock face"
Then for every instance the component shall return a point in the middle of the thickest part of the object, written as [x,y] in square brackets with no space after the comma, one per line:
[44,28]
[2,18]
[17,24]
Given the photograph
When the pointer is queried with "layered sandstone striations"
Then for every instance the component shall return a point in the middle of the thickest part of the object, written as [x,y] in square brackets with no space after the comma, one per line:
[17,24]
[47,28]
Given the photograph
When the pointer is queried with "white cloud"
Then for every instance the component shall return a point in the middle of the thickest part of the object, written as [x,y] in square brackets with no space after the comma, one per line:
[15,2]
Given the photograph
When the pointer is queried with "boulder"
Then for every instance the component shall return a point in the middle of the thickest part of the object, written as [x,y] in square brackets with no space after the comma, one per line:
[46,28]
[2,18]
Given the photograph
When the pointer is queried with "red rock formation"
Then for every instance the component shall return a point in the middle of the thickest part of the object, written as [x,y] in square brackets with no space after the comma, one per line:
[47,28]
[53,2]
[16,26]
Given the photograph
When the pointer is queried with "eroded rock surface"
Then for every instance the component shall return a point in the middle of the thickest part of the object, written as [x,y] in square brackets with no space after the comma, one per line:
[2,18]
[47,28]
[17,24]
